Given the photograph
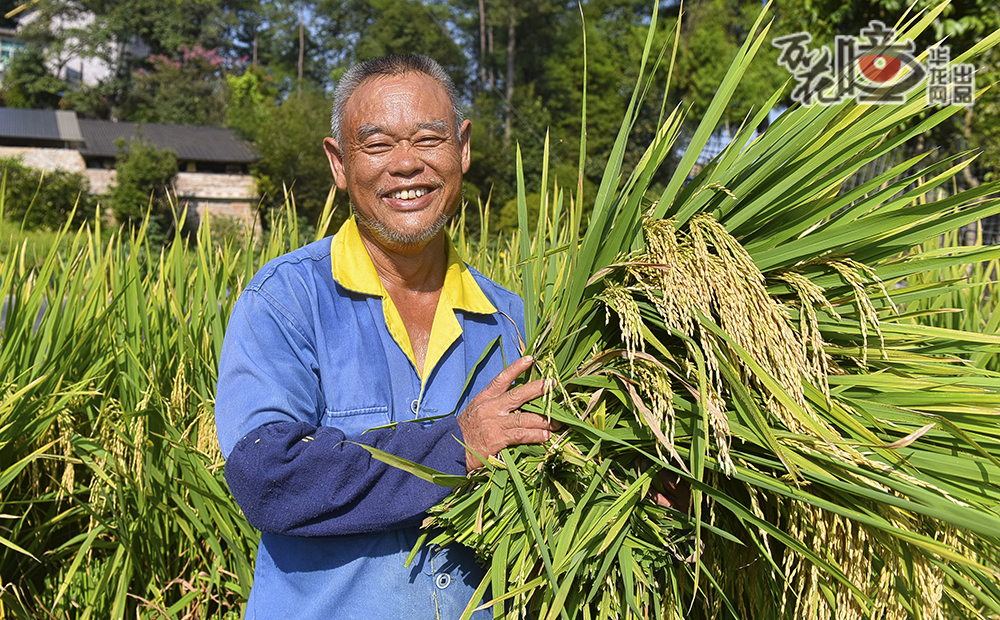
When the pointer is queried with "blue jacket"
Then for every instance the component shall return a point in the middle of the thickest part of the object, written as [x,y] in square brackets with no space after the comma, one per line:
[315,354]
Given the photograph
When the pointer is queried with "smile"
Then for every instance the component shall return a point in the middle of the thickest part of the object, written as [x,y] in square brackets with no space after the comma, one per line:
[409,194]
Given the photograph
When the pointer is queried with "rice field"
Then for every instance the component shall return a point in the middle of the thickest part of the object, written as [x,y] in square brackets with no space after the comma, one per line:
[820,366]
[112,497]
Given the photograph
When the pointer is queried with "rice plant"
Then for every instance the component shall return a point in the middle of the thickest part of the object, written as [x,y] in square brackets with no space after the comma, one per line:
[112,494]
[740,332]
[789,349]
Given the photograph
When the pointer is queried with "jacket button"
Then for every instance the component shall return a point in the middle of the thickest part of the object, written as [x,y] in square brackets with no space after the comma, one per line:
[443,580]
[414,407]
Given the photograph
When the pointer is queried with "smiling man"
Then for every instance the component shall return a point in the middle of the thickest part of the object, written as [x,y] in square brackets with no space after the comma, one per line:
[381,324]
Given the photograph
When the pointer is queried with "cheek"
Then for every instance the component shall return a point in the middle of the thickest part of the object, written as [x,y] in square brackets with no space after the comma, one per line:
[362,171]
[449,164]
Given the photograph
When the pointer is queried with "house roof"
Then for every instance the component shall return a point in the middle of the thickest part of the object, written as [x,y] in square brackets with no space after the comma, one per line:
[58,125]
[189,142]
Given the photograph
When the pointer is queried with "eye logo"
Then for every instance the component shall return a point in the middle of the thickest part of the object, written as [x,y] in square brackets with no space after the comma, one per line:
[880,68]
[876,68]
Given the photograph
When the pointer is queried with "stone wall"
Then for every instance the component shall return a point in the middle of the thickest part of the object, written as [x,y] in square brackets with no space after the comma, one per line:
[100,179]
[203,185]
[225,195]
[46,159]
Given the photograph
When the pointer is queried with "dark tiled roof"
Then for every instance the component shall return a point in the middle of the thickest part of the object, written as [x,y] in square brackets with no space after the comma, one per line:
[189,142]
[39,125]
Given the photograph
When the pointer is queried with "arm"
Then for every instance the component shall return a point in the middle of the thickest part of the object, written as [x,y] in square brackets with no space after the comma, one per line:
[298,479]
[289,474]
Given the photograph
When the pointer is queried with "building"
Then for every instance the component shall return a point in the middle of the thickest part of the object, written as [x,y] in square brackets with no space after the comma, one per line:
[10,42]
[72,61]
[213,163]
[45,139]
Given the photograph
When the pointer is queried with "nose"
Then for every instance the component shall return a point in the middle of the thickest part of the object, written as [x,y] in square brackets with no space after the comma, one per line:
[405,159]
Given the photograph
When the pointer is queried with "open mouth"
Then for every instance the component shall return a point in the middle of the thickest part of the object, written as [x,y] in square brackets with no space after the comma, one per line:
[409,194]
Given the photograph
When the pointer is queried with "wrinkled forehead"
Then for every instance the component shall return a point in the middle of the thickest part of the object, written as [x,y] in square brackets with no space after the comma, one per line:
[397,101]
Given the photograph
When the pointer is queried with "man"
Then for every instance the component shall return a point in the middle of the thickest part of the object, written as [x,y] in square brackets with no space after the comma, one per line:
[381,323]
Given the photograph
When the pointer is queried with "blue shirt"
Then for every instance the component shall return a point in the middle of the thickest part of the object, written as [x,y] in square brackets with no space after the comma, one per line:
[315,354]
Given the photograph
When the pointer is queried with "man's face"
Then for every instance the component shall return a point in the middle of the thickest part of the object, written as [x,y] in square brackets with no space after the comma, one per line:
[400,159]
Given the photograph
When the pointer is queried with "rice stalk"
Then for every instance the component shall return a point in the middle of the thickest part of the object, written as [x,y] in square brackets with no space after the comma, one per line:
[836,451]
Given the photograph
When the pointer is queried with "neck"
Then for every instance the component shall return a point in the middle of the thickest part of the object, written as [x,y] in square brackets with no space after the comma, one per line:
[417,268]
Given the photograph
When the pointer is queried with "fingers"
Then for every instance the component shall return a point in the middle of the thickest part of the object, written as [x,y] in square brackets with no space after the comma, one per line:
[523,393]
[493,420]
[668,489]
[672,491]
[507,376]
[524,435]
[523,419]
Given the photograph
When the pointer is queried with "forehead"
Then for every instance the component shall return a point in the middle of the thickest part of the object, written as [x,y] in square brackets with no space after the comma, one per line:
[397,104]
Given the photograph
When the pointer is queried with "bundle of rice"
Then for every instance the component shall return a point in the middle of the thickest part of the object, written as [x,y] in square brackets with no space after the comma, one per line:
[737,332]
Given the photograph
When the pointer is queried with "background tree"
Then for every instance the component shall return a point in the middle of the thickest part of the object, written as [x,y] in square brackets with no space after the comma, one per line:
[508,58]
[251,101]
[44,199]
[143,180]
[28,83]
[713,30]
[292,157]
[188,91]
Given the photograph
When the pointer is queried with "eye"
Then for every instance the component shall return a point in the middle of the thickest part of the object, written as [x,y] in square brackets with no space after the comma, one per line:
[376,147]
[429,142]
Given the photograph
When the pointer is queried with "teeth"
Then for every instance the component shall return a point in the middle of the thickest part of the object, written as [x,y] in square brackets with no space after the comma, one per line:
[409,194]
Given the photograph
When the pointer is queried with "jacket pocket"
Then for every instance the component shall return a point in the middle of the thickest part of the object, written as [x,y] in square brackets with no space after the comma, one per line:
[353,422]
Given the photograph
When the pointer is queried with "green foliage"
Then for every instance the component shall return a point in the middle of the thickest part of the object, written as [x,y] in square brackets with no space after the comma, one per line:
[961,25]
[143,178]
[292,156]
[108,455]
[548,83]
[410,26]
[251,101]
[44,200]
[715,30]
[111,478]
[28,83]
[187,91]
[521,85]
[31,247]
[769,334]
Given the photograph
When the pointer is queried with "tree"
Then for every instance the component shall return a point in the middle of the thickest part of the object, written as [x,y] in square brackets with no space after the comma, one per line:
[28,83]
[251,101]
[357,30]
[143,179]
[712,32]
[291,146]
[44,199]
[125,35]
[543,93]
[188,91]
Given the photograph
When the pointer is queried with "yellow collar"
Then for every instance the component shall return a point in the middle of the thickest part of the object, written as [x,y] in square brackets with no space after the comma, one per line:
[354,270]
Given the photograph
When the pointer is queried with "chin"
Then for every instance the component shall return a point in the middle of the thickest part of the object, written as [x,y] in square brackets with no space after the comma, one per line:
[396,237]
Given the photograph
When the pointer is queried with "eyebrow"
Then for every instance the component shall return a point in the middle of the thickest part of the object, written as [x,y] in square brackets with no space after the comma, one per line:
[365,131]
[435,125]
[369,130]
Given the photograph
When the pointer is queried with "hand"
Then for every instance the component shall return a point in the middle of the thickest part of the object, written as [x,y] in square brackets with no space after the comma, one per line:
[492,421]
[671,491]
[668,489]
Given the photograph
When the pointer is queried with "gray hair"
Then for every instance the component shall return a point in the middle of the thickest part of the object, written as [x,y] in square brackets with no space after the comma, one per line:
[392,65]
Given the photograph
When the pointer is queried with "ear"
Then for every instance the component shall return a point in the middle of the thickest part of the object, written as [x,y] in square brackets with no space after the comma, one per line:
[337,165]
[466,134]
